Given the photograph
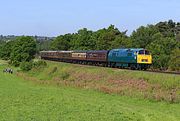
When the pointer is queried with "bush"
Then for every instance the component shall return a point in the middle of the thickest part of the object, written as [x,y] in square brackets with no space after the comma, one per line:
[26,66]
[175,60]
[39,64]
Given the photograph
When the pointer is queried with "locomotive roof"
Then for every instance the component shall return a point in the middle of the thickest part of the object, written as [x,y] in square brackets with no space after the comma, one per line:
[80,51]
[49,51]
[57,51]
[130,49]
[97,50]
[83,51]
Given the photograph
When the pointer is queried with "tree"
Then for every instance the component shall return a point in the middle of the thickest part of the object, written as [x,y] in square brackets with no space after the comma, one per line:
[43,45]
[61,42]
[167,29]
[105,37]
[121,41]
[84,40]
[6,49]
[174,63]
[177,31]
[161,49]
[24,49]
[143,36]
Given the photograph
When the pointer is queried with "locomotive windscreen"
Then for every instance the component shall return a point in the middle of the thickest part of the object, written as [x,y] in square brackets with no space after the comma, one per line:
[144,52]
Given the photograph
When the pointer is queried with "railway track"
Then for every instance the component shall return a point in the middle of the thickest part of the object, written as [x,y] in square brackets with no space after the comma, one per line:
[152,71]
[166,72]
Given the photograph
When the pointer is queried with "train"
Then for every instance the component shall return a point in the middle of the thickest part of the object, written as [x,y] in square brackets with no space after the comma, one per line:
[133,58]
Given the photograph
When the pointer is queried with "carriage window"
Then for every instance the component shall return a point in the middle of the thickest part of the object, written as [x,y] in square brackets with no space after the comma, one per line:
[95,55]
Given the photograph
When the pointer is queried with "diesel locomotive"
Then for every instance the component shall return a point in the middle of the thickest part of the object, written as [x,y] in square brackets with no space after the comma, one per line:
[134,58]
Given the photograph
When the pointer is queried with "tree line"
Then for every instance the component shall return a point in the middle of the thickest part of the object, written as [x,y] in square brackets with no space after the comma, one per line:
[161,39]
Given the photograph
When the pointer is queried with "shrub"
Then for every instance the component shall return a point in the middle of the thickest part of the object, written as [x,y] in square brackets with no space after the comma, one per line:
[26,66]
[175,60]
[39,64]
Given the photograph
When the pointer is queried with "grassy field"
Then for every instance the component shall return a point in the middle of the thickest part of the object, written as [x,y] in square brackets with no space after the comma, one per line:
[23,100]
[138,84]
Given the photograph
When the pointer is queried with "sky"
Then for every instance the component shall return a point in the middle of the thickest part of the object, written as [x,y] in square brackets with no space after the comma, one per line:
[57,17]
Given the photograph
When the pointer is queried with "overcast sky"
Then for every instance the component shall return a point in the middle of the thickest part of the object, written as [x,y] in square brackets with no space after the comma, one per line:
[55,17]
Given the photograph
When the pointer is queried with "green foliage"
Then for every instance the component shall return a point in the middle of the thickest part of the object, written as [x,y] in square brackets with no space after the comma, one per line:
[26,66]
[23,50]
[121,41]
[39,64]
[84,40]
[61,42]
[105,38]
[175,60]
[102,39]
[143,36]
[161,49]
[167,29]
[6,49]
[43,45]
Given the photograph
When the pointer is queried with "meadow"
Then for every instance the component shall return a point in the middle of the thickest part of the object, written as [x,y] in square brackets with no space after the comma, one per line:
[26,100]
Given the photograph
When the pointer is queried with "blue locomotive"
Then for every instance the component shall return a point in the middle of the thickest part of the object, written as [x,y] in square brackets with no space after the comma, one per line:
[134,58]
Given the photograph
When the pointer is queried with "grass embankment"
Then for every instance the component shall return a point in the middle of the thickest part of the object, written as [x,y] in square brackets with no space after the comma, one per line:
[139,84]
[22,100]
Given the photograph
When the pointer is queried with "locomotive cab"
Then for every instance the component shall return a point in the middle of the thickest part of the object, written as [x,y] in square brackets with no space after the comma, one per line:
[144,57]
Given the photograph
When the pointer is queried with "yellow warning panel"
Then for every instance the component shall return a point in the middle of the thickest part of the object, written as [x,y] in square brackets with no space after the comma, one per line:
[146,59]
